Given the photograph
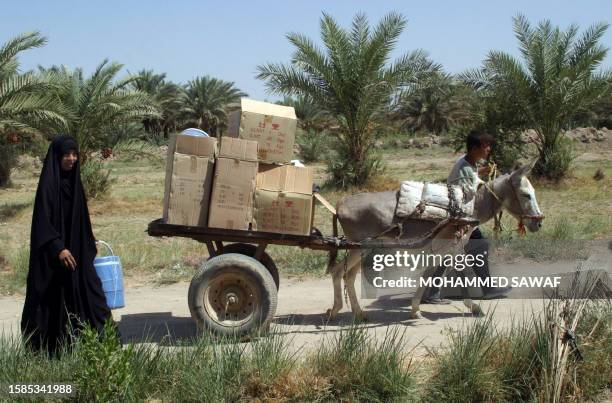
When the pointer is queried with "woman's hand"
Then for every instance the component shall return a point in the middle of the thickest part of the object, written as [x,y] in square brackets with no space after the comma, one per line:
[67,259]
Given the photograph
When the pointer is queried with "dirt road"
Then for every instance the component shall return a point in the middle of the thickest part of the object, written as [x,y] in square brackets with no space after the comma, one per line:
[153,312]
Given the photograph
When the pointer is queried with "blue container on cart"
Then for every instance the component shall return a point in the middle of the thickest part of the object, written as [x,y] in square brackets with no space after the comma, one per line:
[110,272]
[192,131]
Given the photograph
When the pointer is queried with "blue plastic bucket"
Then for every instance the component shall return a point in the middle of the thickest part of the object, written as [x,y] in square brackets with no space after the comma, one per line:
[111,275]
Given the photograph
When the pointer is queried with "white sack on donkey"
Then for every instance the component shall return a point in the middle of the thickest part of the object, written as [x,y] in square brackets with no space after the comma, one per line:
[434,201]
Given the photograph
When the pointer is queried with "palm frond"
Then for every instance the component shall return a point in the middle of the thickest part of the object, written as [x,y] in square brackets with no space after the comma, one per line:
[16,45]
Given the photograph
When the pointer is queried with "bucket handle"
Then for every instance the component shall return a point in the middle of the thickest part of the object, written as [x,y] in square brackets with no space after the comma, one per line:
[107,247]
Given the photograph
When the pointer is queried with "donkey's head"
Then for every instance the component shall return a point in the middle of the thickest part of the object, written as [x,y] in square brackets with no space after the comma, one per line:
[520,201]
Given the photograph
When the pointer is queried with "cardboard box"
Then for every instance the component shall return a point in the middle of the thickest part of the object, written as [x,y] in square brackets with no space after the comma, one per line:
[189,174]
[192,178]
[283,200]
[272,126]
[239,149]
[231,205]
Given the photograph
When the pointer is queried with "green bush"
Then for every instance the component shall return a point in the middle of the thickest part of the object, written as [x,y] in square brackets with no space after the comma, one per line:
[594,334]
[344,170]
[105,373]
[96,178]
[555,163]
[313,145]
[123,131]
[462,373]
[360,368]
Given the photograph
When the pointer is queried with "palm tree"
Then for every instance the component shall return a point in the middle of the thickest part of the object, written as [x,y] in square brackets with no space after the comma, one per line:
[168,97]
[24,101]
[435,104]
[25,104]
[97,103]
[310,116]
[555,78]
[352,80]
[208,102]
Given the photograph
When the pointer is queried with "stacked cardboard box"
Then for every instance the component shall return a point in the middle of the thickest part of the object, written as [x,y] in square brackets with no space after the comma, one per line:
[283,200]
[247,184]
[231,204]
[283,193]
[271,126]
[189,175]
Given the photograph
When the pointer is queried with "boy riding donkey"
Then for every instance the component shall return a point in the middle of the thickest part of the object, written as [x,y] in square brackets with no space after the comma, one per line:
[467,172]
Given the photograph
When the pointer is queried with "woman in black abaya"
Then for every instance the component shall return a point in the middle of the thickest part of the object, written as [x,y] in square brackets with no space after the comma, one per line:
[63,289]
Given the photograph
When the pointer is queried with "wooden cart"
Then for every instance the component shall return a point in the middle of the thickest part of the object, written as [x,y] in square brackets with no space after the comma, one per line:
[235,290]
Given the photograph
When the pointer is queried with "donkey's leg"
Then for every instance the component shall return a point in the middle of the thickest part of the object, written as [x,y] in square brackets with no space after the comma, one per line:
[349,281]
[467,301]
[337,271]
[337,274]
[415,313]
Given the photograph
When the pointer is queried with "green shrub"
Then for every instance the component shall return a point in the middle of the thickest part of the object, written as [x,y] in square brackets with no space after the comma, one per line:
[344,170]
[96,178]
[555,163]
[313,145]
[360,368]
[594,334]
[462,373]
[156,139]
[134,149]
[105,368]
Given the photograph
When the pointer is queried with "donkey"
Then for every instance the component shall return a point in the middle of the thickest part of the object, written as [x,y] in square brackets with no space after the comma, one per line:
[367,215]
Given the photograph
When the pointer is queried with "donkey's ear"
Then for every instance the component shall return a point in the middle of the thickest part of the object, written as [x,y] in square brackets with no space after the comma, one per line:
[530,166]
[524,170]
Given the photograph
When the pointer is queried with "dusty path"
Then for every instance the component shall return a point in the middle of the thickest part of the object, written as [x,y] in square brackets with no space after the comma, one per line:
[158,311]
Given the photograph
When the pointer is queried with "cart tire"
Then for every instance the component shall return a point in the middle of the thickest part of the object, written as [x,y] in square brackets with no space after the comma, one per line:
[232,294]
[249,250]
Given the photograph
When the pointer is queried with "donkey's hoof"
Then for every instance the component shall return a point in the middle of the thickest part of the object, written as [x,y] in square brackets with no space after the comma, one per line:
[477,311]
[331,315]
[416,315]
[361,317]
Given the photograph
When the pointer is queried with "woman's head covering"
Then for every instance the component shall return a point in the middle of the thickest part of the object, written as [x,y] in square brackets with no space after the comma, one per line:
[61,217]
[63,144]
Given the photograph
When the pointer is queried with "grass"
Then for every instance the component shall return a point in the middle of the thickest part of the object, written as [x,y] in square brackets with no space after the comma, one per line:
[461,372]
[16,278]
[529,360]
[577,210]
[351,366]
[361,368]
[560,239]
[481,363]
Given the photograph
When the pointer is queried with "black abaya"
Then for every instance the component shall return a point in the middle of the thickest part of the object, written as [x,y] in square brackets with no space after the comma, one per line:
[57,298]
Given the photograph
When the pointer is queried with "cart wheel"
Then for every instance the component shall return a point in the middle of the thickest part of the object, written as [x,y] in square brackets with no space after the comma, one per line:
[232,294]
[249,250]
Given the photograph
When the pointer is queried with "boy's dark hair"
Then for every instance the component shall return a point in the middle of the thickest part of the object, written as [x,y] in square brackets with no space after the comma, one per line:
[476,138]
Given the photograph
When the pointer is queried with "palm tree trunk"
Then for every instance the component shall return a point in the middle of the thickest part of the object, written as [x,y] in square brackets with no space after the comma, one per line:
[7,161]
